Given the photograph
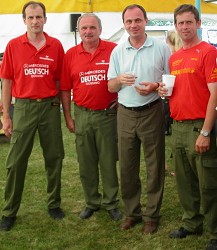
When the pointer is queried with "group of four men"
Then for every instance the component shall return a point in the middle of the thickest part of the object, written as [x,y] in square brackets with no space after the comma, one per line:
[109,81]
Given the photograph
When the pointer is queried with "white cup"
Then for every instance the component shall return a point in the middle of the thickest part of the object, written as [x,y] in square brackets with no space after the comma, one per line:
[169,80]
[132,74]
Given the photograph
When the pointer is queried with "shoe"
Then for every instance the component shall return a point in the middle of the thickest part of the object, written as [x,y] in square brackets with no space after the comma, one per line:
[115,214]
[87,213]
[129,223]
[56,213]
[183,233]
[7,223]
[150,227]
[212,245]
[167,132]
[172,174]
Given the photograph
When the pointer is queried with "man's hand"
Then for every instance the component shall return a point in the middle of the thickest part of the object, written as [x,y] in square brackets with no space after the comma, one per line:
[127,79]
[202,144]
[70,124]
[145,88]
[162,91]
[7,126]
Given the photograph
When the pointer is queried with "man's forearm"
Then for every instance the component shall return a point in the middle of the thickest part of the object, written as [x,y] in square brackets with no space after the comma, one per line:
[6,97]
[114,85]
[66,103]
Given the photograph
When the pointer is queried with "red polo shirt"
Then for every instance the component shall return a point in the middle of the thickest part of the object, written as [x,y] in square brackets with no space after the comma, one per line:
[194,69]
[86,75]
[33,71]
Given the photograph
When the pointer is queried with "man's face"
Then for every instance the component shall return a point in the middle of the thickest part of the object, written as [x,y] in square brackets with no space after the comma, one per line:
[89,29]
[135,22]
[35,19]
[187,26]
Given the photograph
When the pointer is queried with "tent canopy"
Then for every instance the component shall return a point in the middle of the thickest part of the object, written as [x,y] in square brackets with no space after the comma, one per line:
[60,12]
[61,6]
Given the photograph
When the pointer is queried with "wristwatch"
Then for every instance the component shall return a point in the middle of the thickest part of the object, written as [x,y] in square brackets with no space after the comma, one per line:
[204,133]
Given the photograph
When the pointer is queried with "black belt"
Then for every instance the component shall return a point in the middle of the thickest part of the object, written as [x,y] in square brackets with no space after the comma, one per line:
[35,100]
[190,121]
[90,110]
[144,107]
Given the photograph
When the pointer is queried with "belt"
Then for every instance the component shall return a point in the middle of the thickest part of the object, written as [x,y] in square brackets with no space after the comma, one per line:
[190,121]
[90,110]
[46,99]
[144,107]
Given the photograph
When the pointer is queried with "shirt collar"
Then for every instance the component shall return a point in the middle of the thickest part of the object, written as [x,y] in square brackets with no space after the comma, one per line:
[101,46]
[148,43]
[24,38]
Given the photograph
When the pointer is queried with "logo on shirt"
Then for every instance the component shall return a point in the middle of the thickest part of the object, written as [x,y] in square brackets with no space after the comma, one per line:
[183,71]
[36,70]
[177,62]
[46,58]
[93,77]
[214,74]
[103,62]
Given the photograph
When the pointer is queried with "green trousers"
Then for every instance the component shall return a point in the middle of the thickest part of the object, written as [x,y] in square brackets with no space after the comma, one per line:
[135,129]
[96,144]
[196,176]
[31,116]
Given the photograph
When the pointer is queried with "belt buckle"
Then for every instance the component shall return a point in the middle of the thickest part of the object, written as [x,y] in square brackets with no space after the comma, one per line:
[38,100]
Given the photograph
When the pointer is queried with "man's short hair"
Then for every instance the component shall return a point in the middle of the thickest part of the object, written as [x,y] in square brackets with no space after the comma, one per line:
[132,6]
[34,5]
[186,8]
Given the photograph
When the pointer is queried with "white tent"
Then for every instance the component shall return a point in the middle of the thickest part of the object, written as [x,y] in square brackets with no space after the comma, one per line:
[58,25]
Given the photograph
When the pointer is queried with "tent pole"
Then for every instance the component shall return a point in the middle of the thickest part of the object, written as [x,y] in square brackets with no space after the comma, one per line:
[198,6]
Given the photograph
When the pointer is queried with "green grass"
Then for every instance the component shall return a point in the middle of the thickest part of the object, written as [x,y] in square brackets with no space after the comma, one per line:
[35,230]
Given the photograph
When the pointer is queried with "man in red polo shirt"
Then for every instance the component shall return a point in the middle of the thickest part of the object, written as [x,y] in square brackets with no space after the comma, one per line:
[30,72]
[193,141]
[85,72]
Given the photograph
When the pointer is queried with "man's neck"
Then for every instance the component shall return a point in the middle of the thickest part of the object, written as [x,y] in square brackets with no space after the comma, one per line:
[190,44]
[37,40]
[137,42]
[90,47]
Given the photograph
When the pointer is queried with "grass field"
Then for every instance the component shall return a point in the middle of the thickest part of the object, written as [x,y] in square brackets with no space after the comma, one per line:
[35,230]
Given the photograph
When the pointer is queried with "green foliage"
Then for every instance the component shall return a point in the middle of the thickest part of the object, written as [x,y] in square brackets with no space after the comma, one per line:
[35,230]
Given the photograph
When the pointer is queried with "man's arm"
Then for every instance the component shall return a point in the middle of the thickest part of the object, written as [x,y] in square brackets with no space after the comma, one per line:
[6,101]
[203,143]
[57,83]
[115,84]
[66,102]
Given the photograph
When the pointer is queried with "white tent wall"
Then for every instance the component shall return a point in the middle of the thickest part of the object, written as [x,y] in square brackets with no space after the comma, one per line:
[58,25]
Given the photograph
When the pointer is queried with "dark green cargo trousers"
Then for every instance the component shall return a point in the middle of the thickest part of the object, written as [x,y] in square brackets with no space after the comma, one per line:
[31,116]
[196,176]
[96,144]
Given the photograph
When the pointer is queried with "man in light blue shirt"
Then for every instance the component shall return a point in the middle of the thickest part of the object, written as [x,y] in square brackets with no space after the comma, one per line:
[136,67]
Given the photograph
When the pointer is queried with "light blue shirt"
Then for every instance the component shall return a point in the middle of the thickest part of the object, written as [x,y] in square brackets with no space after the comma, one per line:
[148,63]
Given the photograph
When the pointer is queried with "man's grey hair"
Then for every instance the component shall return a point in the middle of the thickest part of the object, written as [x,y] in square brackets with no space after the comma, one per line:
[90,15]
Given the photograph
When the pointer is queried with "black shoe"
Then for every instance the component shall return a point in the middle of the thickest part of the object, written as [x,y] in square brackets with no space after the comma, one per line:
[212,245]
[115,214]
[183,233]
[7,223]
[87,213]
[56,213]
[167,132]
